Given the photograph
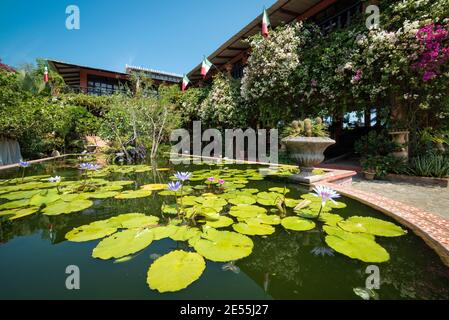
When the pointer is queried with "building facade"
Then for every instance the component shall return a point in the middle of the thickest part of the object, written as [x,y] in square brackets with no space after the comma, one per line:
[94,81]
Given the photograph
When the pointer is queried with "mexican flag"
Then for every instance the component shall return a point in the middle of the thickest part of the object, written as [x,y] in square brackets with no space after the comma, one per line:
[185,82]
[265,23]
[205,67]
[45,74]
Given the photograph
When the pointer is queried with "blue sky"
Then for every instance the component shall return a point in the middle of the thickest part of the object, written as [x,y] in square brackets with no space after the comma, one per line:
[169,35]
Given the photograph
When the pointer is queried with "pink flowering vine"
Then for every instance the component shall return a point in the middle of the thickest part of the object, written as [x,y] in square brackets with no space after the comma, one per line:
[435,54]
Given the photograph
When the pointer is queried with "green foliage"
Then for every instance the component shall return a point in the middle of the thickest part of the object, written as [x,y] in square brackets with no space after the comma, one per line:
[374,144]
[306,128]
[430,165]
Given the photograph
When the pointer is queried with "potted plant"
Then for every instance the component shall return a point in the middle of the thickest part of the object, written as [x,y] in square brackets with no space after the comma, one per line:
[369,167]
[306,142]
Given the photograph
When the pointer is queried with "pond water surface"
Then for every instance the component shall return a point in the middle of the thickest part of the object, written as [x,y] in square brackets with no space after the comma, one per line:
[34,253]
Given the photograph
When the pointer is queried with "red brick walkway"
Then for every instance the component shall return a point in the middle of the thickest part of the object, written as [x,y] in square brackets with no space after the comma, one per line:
[433,229]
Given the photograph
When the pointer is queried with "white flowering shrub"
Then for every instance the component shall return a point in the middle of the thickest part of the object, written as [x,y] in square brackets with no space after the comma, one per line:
[222,107]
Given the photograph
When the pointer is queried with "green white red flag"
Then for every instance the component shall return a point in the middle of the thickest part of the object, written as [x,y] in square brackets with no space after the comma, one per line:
[265,23]
[205,67]
[185,83]
[45,74]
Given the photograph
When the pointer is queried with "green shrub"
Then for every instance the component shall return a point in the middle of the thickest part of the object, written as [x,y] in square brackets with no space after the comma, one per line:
[374,144]
[430,165]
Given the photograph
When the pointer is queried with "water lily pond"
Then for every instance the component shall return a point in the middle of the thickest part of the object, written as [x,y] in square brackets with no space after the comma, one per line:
[209,231]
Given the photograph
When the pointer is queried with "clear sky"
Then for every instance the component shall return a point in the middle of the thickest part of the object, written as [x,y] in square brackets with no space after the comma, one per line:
[169,35]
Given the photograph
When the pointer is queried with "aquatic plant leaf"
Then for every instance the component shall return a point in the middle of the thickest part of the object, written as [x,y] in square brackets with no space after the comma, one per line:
[271,219]
[14,214]
[119,182]
[246,211]
[242,199]
[372,226]
[357,247]
[253,228]
[164,231]
[330,218]
[123,243]
[269,198]
[93,231]
[17,195]
[134,220]
[60,207]
[297,224]
[175,271]
[302,204]
[279,190]
[15,204]
[169,208]
[133,194]
[184,233]
[102,194]
[44,198]
[189,200]
[154,186]
[124,259]
[222,222]
[339,232]
[216,203]
[291,203]
[223,246]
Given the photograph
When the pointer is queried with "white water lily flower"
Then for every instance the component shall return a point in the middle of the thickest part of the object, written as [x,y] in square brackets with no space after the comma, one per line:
[55,179]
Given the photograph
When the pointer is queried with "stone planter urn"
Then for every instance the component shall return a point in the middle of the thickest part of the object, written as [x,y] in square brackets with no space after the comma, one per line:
[307,152]
[400,138]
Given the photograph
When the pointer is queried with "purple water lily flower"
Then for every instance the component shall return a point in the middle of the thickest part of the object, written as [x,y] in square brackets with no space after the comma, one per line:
[221,181]
[174,186]
[211,179]
[24,164]
[183,176]
[89,166]
[325,193]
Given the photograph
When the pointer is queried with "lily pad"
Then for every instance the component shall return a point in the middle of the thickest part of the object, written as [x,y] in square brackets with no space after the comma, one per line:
[253,228]
[175,271]
[280,190]
[271,219]
[102,194]
[223,246]
[123,243]
[14,214]
[372,226]
[242,199]
[134,220]
[154,186]
[222,222]
[269,198]
[133,194]
[357,247]
[60,207]
[246,211]
[17,195]
[15,204]
[297,224]
[93,231]
[184,233]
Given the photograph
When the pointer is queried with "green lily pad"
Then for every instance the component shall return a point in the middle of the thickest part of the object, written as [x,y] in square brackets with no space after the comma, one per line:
[123,243]
[14,214]
[246,211]
[222,222]
[280,190]
[184,233]
[60,207]
[297,224]
[134,220]
[17,195]
[223,246]
[253,228]
[44,198]
[358,247]
[93,231]
[175,271]
[330,218]
[102,194]
[154,186]
[164,231]
[271,219]
[242,199]
[15,204]
[372,226]
[169,208]
[133,194]
[269,198]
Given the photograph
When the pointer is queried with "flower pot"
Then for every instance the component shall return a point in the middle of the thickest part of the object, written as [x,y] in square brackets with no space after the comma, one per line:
[307,152]
[369,175]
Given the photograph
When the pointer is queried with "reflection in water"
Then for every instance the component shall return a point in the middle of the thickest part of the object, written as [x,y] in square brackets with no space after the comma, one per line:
[285,265]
